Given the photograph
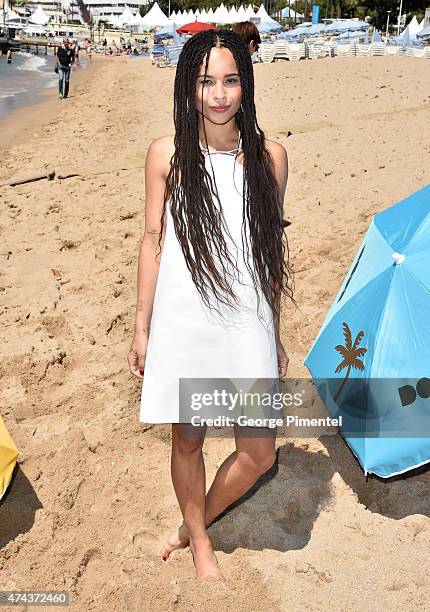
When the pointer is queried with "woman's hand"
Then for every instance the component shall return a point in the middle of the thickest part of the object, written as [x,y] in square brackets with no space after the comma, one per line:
[282,359]
[137,354]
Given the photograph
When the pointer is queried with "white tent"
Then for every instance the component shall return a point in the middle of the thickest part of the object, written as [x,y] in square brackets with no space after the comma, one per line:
[177,18]
[138,24]
[135,20]
[155,18]
[289,13]
[411,30]
[191,16]
[187,17]
[264,15]
[232,15]
[112,19]
[126,16]
[203,17]
[249,12]
[414,27]
[221,16]
[39,17]
[241,14]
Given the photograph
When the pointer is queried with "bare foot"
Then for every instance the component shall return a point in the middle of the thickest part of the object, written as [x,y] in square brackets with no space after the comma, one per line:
[205,561]
[178,539]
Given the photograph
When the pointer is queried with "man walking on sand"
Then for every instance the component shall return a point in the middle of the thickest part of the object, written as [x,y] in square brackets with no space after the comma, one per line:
[65,59]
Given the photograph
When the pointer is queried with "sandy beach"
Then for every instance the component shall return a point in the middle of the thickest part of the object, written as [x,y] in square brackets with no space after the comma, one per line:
[92,498]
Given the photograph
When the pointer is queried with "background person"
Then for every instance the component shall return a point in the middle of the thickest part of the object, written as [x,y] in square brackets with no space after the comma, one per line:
[65,59]
[250,35]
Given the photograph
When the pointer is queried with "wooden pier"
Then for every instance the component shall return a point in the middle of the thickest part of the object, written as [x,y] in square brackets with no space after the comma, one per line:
[40,45]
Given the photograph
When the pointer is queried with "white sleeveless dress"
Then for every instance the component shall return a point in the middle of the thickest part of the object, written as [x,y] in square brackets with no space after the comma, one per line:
[188,340]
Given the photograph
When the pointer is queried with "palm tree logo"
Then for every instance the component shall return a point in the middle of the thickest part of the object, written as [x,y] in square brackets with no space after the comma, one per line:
[350,353]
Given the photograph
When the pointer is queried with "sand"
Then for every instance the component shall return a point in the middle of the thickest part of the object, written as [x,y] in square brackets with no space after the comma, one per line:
[92,498]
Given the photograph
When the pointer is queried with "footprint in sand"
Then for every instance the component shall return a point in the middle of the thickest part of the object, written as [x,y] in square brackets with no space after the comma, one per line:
[143,539]
[312,574]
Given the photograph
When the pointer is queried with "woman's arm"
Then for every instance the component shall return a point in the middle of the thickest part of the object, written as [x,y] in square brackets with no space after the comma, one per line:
[280,159]
[149,263]
[149,253]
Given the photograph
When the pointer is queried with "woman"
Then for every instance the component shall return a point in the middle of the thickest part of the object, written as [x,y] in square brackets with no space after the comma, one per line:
[250,35]
[201,174]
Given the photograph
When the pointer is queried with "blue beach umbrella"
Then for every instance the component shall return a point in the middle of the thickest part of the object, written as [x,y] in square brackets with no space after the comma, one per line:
[376,36]
[167,31]
[349,25]
[314,29]
[371,359]
[425,33]
[350,35]
[269,26]
[295,33]
[404,38]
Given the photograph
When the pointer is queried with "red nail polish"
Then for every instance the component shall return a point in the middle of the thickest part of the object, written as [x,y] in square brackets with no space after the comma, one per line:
[164,557]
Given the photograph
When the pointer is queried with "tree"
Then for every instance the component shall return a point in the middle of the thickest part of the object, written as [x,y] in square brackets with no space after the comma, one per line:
[375,9]
[350,353]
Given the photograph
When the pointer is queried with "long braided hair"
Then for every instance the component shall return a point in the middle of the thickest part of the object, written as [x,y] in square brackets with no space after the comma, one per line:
[197,221]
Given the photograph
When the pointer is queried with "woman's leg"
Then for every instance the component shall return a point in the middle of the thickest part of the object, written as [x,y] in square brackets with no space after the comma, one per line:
[189,482]
[60,80]
[254,455]
[67,80]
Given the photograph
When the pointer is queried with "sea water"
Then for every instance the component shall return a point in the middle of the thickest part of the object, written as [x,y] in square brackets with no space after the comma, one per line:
[23,81]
